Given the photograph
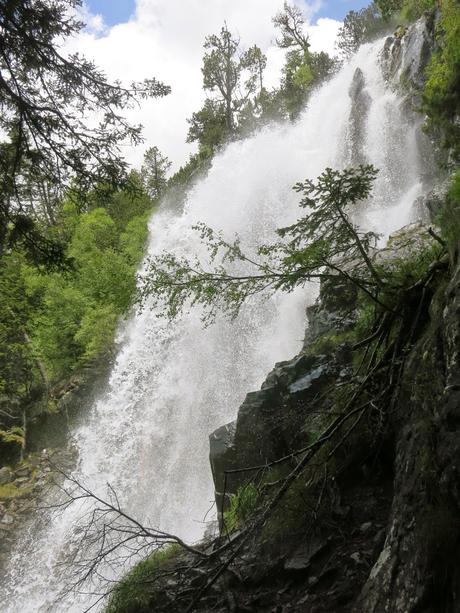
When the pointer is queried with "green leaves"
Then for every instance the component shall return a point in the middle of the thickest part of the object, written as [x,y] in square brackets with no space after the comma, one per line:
[154,172]
[13,435]
[232,76]
[77,311]
[303,69]
[441,98]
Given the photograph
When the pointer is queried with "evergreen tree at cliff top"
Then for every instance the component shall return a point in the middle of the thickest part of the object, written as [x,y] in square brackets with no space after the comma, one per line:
[232,77]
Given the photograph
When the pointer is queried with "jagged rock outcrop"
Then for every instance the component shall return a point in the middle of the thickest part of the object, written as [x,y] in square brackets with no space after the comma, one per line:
[395,541]
[276,419]
[406,54]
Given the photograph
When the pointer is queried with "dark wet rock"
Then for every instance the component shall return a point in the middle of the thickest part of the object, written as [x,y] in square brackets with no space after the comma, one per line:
[431,203]
[222,457]
[417,568]
[333,312]
[6,475]
[267,426]
[406,54]
[302,557]
[306,381]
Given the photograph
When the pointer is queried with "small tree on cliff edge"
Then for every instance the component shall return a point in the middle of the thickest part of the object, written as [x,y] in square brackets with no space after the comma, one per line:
[323,243]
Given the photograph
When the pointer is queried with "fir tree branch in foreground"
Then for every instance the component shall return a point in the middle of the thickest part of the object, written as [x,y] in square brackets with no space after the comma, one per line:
[321,244]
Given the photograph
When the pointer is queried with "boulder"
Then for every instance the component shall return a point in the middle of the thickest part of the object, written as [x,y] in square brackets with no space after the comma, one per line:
[6,475]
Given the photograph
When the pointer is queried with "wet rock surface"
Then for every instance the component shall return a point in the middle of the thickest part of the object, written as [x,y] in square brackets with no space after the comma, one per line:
[360,105]
[25,492]
[390,539]
[274,421]
[407,53]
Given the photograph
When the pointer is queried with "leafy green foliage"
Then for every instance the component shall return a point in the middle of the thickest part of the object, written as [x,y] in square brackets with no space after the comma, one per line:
[413,9]
[208,126]
[406,9]
[154,172]
[16,356]
[242,505]
[366,24]
[240,102]
[441,98]
[320,243]
[296,81]
[449,217]
[13,435]
[55,321]
[303,69]
[234,78]
[290,23]
[388,8]
[231,75]
[360,27]
[78,310]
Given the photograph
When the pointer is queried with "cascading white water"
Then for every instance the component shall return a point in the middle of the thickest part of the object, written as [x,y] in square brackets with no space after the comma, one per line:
[173,383]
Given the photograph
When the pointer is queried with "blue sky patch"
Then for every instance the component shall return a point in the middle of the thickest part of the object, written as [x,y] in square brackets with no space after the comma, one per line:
[113,11]
[337,9]
[119,11]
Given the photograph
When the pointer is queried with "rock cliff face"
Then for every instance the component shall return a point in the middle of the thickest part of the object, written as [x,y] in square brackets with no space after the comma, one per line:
[385,533]
[418,567]
[277,419]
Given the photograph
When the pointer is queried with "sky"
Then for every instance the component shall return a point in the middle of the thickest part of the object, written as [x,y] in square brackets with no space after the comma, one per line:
[136,39]
[118,11]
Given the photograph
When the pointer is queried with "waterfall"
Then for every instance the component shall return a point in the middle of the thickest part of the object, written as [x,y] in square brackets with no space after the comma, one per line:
[174,383]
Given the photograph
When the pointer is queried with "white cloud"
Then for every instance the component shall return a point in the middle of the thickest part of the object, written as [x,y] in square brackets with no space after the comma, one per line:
[323,34]
[164,38]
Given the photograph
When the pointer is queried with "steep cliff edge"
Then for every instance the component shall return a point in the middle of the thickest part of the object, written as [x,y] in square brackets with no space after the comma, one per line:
[372,524]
